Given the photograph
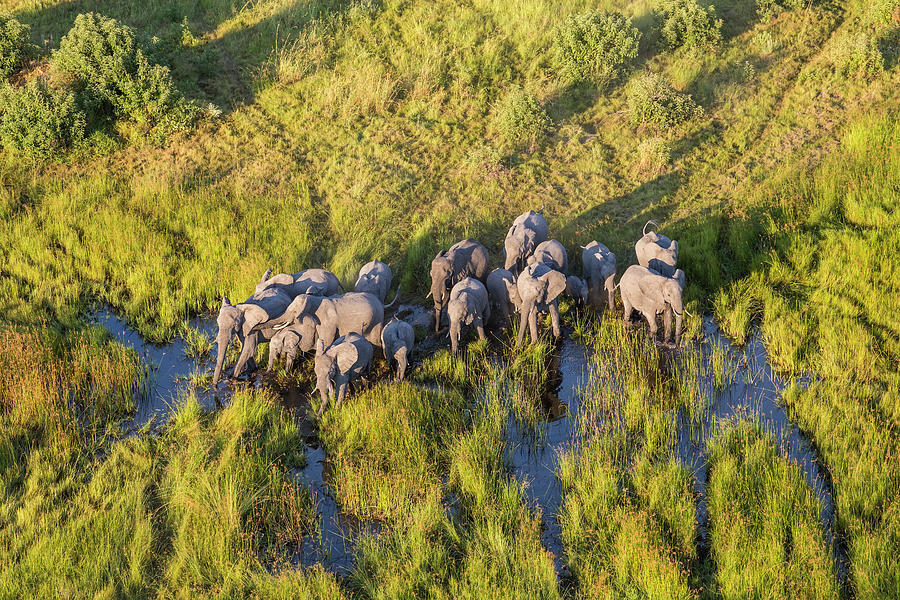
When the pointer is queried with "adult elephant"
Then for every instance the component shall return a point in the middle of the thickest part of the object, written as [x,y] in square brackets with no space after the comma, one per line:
[651,293]
[527,231]
[353,312]
[317,282]
[551,253]
[536,291]
[468,305]
[656,251]
[467,258]
[248,321]
[599,269]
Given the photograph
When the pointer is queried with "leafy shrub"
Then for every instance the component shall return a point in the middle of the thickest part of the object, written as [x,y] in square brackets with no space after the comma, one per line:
[103,57]
[595,45]
[859,56]
[765,43]
[520,118]
[652,100]
[686,24]
[14,44]
[39,120]
[766,9]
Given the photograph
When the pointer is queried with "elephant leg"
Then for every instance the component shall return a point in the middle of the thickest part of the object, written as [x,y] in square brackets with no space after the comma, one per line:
[554,319]
[651,319]
[628,309]
[667,324]
[324,404]
[247,352]
[612,301]
[479,327]
[341,391]
[289,361]
[532,325]
[272,357]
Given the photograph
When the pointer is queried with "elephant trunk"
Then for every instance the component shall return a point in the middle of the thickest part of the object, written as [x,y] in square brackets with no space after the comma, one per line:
[222,342]
[679,317]
[402,361]
[437,291]
[454,336]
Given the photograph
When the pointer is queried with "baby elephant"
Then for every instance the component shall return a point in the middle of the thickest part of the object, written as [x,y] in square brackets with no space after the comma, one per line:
[599,266]
[299,336]
[468,305]
[397,341]
[374,278]
[346,360]
[501,304]
[577,290]
[656,251]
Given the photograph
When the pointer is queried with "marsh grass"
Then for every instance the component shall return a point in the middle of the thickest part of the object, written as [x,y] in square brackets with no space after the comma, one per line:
[721,368]
[197,344]
[764,520]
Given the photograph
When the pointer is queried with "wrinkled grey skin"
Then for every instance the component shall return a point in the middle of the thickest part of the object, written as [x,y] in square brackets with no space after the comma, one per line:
[650,294]
[527,231]
[468,305]
[599,269]
[656,251]
[577,290]
[536,291]
[551,253]
[467,258]
[347,359]
[374,278]
[299,336]
[502,306]
[317,282]
[250,321]
[398,340]
[681,278]
[352,312]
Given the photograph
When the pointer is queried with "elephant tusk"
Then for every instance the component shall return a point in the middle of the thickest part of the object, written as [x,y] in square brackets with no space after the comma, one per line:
[428,294]
[281,326]
[648,223]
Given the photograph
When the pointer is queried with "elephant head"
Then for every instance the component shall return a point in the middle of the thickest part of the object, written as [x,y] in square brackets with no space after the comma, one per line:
[671,293]
[518,245]
[537,289]
[300,335]
[441,283]
[235,321]
[460,314]
[576,288]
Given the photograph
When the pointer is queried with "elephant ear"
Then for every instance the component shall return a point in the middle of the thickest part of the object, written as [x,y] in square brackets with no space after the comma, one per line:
[226,301]
[254,315]
[556,285]
[347,357]
[316,289]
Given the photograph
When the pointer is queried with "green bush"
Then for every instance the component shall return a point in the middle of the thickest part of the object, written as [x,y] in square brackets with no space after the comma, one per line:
[39,120]
[103,57]
[14,44]
[766,9]
[652,100]
[686,24]
[595,46]
[520,118]
[858,56]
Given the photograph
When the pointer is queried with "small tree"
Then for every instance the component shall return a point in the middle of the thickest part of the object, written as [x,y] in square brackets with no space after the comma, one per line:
[595,46]
[652,100]
[14,44]
[104,59]
[39,120]
[520,118]
[686,24]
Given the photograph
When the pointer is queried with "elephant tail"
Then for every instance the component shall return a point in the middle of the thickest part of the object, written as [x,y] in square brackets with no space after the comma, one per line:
[397,295]
[650,222]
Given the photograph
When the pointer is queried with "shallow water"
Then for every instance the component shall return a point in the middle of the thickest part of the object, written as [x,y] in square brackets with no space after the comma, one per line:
[754,391]
[169,369]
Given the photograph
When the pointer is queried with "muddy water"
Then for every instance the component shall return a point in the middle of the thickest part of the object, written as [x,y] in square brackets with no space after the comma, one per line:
[169,366]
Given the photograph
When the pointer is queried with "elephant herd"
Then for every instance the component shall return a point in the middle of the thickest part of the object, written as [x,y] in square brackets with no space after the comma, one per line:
[310,311]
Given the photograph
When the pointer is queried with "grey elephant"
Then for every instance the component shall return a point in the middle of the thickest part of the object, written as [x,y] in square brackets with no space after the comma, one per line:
[292,339]
[537,291]
[468,305]
[650,294]
[317,282]
[352,312]
[527,231]
[599,269]
[398,340]
[551,253]
[250,321]
[336,365]
[502,305]
[656,251]
[467,258]
[375,278]
[577,290]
